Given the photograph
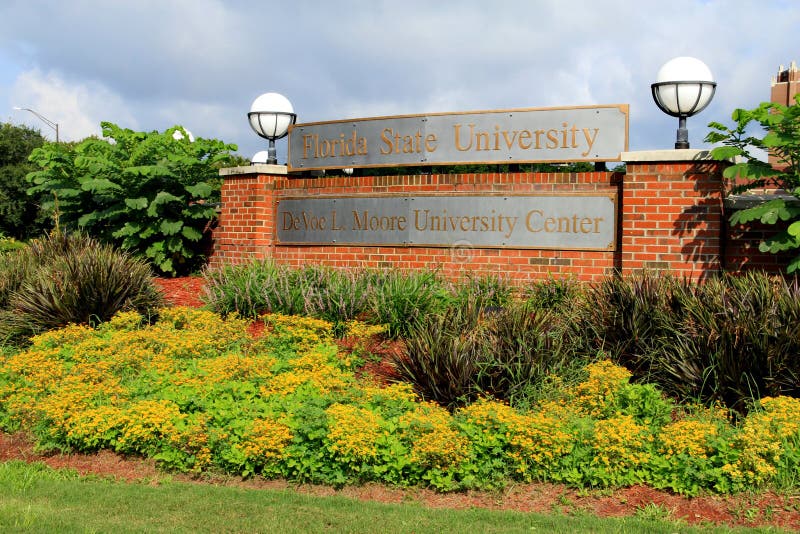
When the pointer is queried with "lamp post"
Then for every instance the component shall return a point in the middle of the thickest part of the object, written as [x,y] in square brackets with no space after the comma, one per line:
[684,87]
[51,124]
[270,116]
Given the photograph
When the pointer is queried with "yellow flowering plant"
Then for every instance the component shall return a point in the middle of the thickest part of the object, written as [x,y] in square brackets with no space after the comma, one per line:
[198,392]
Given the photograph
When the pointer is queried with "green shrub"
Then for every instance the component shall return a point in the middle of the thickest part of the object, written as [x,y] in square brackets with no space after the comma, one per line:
[781,128]
[71,278]
[400,300]
[147,192]
[553,293]
[486,291]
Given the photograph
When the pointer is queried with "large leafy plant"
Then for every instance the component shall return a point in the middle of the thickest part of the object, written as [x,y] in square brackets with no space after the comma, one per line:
[782,139]
[149,192]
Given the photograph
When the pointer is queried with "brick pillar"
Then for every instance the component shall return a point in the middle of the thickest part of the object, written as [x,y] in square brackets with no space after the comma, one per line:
[672,212]
[246,228]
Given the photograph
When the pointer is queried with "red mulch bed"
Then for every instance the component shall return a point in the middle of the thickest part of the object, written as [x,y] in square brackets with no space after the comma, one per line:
[182,291]
[748,510]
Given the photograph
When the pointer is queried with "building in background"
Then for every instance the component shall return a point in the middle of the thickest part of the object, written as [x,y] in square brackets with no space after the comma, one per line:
[784,86]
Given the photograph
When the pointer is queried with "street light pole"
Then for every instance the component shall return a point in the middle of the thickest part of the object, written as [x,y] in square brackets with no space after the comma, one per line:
[51,124]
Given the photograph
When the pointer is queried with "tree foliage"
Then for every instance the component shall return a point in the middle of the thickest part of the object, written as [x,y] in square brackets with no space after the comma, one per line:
[147,192]
[781,125]
[20,216]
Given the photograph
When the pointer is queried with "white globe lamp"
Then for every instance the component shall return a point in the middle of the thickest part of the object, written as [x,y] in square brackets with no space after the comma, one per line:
[270,116]
[684,87]
[259,157]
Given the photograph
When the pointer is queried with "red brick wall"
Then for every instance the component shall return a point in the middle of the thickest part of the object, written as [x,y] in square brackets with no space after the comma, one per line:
[670,217]
[741,249]
[245,227]
[246,224]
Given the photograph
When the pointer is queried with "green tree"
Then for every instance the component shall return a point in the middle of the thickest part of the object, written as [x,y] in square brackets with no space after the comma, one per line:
[780,129]
[21,216]
[147,192]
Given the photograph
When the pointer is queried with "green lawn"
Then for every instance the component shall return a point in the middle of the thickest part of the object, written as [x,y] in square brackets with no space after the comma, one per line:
[34,498]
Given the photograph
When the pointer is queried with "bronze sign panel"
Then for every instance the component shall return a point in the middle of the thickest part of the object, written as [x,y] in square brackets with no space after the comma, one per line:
[596,133]
[571,222]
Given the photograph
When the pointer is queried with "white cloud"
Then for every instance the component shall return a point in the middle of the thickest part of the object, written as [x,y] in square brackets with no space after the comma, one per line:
[78,108]
[200,63]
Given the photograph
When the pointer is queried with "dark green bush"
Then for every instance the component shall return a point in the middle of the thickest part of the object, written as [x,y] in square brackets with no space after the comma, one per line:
[470,350]
[522,347]
[443,354]
[70,278]
[729,339]
[21,216]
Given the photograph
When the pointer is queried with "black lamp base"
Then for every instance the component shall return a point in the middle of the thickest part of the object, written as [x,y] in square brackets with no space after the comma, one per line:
[683,134]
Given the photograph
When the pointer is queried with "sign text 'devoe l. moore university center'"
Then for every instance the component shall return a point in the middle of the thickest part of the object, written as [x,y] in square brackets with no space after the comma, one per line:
[552,221]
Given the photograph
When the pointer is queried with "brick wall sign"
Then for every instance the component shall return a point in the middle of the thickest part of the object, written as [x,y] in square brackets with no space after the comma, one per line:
[596,133]
[565,222]
[665,212]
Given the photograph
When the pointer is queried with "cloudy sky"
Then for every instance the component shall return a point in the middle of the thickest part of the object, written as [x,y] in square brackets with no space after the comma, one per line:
[151,64]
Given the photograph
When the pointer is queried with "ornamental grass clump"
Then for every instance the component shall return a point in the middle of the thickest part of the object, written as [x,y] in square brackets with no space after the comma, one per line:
[523,346]
[443,354]
[729,339]
[264,287]
[468,351]
[252,289]
[70,278]
[487,291]
[401,300]
[338,296]
[739,340]
[553,293]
